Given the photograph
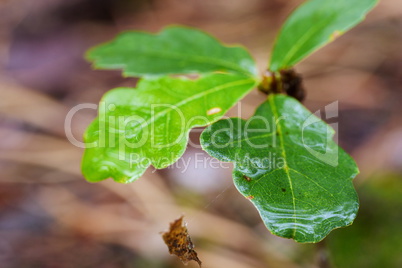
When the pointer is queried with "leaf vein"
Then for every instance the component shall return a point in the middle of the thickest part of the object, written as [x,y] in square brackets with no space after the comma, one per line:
[286,168]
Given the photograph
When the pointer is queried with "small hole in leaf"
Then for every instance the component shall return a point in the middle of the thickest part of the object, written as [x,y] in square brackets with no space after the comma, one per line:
[186,76]
[283,190]
[213,111]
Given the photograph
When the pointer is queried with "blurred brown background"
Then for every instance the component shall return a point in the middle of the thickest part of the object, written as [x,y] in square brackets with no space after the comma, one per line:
[51,217]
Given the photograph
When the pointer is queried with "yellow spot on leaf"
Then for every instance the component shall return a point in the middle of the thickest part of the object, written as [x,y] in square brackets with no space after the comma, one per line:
[250,197]
[214,111]
[335,35]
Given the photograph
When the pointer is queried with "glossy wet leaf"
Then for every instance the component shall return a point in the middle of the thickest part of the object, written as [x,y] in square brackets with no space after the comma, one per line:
[175,50]
[314,24]
[150,124]
[288,166]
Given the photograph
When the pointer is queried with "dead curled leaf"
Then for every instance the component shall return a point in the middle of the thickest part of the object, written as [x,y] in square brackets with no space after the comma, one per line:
[179,242]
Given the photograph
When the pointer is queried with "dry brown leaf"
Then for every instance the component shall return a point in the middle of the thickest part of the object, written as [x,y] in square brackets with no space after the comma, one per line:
[179,242]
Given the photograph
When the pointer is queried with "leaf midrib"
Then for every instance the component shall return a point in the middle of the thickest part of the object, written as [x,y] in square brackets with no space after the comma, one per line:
[191,58]
[250,138]
[296,47]
[286,167]
[194,97]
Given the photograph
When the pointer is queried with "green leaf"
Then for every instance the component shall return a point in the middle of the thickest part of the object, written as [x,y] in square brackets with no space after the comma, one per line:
[150,124]
[175,50]
[314,24]
[287,164]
